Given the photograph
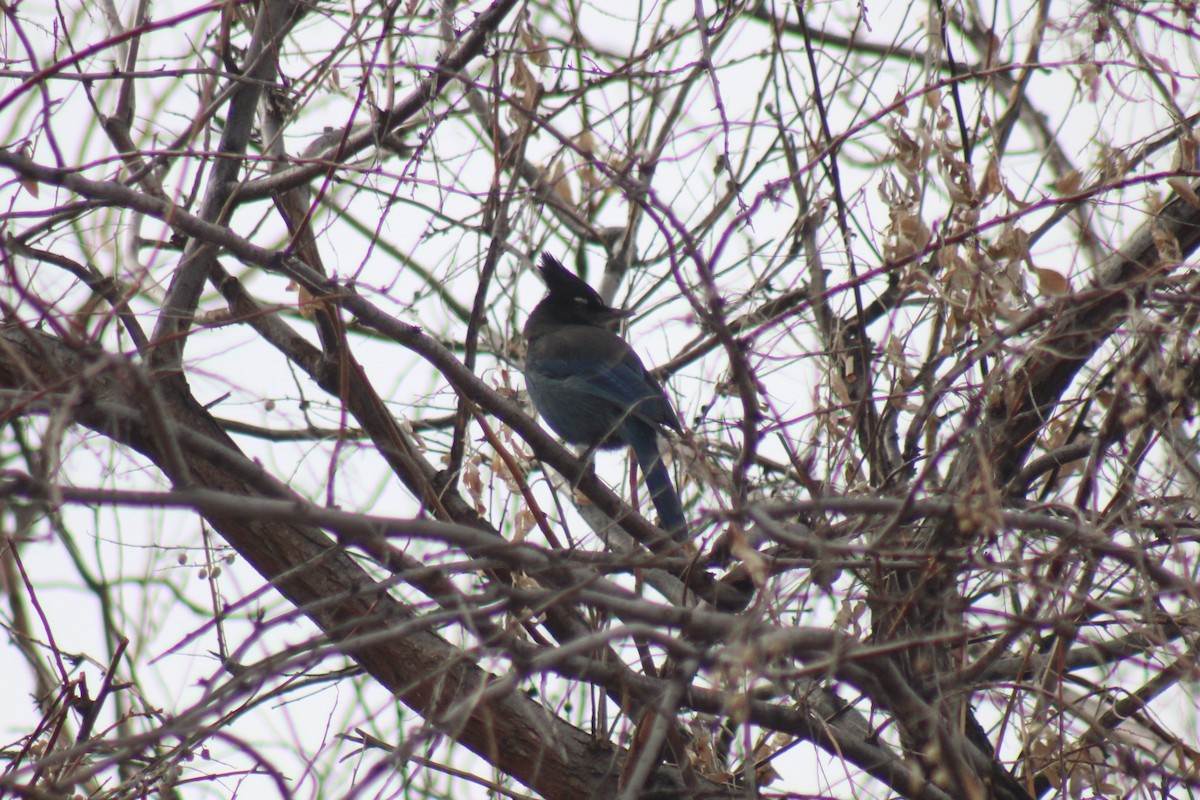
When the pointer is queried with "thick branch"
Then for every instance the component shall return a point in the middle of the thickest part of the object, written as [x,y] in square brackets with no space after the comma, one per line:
[512,732]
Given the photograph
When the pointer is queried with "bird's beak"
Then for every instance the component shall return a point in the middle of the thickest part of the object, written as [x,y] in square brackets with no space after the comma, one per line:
[610,317]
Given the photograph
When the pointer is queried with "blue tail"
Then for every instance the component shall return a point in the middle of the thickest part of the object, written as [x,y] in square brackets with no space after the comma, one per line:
[644,441]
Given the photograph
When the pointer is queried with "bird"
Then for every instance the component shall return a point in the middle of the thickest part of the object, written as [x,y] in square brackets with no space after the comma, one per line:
[590,386]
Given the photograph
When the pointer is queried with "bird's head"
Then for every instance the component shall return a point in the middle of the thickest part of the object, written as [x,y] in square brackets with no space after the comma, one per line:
[570,300]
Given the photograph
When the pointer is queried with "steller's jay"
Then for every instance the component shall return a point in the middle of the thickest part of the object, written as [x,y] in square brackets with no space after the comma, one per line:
[591,388]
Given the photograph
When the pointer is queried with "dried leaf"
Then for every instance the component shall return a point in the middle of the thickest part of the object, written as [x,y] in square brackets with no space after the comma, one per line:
[1184,157]
[1169,251]
[535,46]
[1016,201]
[29,184]
[991,185]
[586,142]
[1183,187]
[993,49]
[908,236]
[474,483]
[1013,242]
[308,303]
[1069,183]
[1089,76]
[765,774]
[1051,282]
[958,182]
[558,180]
[1165,68]
[523,524]
[840,391]
[527,86]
